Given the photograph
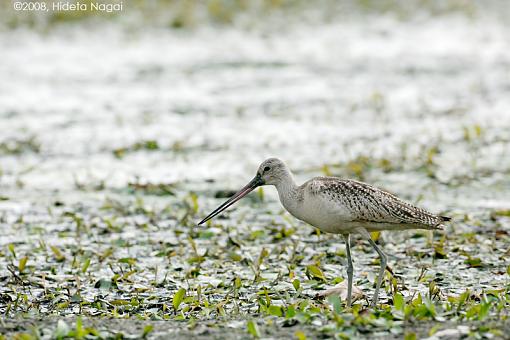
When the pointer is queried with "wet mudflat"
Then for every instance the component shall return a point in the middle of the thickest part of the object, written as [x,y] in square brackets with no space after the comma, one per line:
[114,145]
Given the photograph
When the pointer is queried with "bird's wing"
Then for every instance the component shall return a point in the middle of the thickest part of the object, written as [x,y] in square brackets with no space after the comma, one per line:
[366,203]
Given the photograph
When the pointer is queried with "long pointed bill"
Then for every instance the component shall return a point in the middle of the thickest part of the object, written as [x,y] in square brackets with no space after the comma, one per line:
[254,183]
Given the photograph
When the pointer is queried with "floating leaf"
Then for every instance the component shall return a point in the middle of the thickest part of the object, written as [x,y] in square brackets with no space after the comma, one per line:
[300,335]
[263,254]
[235,256]
[297,284]
[119,302]
[146,330]
[22,263]
[253,329]
[398,302]
[80,332]
[326,171]
[473,311]
[129,260]
[257,234]
[275,310]
[63,305]
[410,336]
[11,249]
[334,300]
[473,262]
[484,310]
[194,202]
[237,283]
[375,235]
[315,272]
[57,254]
[205,234]
[291,312]
[439,252]
[86,265]
[178,297]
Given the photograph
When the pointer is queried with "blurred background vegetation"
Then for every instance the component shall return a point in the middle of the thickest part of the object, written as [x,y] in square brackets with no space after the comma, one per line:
[194,13]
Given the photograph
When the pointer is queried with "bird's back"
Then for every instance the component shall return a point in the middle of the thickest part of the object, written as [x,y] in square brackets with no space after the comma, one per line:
[331,201]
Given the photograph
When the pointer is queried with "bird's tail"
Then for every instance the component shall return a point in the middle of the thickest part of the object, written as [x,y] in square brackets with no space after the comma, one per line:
[440,224]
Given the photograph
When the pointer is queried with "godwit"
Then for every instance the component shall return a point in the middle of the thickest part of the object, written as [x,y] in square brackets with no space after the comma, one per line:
[339,206]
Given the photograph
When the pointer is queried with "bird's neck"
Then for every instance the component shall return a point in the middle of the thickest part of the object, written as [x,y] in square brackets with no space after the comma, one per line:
[287,190]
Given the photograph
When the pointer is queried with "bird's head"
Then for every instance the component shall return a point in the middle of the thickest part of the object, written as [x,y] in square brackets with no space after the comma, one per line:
[272,171]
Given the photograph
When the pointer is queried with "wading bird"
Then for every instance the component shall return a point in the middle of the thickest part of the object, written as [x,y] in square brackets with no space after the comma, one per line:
[339,206]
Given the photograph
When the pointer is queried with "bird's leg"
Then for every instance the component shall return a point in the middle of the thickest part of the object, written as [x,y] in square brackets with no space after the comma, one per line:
[384,261]
[350,268]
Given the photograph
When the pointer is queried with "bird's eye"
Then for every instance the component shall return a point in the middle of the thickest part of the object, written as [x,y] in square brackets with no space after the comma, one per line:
[267,168]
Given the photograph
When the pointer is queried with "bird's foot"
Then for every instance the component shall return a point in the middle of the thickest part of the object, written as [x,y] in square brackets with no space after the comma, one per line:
[341,291]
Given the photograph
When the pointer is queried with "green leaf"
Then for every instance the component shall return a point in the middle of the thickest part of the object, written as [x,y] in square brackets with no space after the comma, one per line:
[505,213]
[237,283]
[178,297]
[57,254]
[235,256]
[63,305]
[275,310]
[508,270]
[291,311]
[303,304]
[129,260]
[315,272]
[473,262]
[119,302]
[263,254]
[473,311]
[439,252]
[256,234]
[85,265]
[325,169]
[22,263]
[194,202]
[398,302]
[146,330]
[434,329]
[11,249]
[297,284]
[410,336]
[300,335]
[336,303]
[375,235]
[253,329]
[464,296]
[484,310]
[79,331]
[418,301]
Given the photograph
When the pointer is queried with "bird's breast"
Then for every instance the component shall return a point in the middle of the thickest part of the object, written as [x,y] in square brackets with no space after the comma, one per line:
[329,217]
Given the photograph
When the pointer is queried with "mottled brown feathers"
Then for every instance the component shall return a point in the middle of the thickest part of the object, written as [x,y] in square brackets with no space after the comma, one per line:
[370,204]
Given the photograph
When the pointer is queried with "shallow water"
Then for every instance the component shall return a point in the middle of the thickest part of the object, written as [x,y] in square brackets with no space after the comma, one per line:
[310,95]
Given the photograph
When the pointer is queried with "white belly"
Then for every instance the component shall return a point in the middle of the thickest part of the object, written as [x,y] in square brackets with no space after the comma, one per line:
[336,219]
[330,218]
